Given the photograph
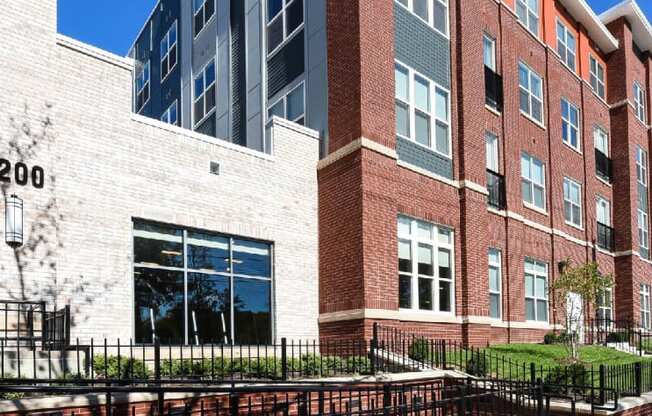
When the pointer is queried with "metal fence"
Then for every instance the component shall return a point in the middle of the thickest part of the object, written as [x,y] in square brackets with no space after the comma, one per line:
[441,396]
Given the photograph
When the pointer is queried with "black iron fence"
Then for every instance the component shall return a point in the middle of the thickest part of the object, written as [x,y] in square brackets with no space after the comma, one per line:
[441,396]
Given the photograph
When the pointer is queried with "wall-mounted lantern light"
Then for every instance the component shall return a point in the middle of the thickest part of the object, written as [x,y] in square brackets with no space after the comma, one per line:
[14,221]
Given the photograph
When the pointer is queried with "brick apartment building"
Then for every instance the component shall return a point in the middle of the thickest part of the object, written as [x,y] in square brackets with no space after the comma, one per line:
[468,148]
[549,161]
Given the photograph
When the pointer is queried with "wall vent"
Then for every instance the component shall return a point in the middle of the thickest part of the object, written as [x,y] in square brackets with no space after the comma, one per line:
[215,168]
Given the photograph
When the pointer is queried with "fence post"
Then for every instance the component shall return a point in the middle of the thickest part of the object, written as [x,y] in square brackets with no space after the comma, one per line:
[533,373]
[637,375]
[387,398]
[157,375]
[44,325]
[539,395]
[66,341]
[602,383]
[443,355]
[284,358]
[372,348]
[234,403]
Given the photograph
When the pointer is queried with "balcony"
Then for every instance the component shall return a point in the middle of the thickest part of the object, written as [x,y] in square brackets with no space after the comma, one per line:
[603,166]
[493,84]
[606,239]
[496,188]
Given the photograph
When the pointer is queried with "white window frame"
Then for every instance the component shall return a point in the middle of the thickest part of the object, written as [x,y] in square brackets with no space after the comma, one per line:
[595,80]
[645,305]
[282,14]
[529,13]
[568,127]
[202,9]
[531,269]
[603,306]
[569,204]
[600,135]
[284,101]
[166,40]
[532,184]
[432,114]
[643,224]
[492,151]
[435,241]
[639,102]
[563,50]
[604,205]
[145,84]
[202,72]
[641,166]
[168,112]
[532,95]
[492,292]
[409,5]
[489,48]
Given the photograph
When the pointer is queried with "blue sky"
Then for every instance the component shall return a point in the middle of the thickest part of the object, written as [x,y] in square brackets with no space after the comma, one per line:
[113,24]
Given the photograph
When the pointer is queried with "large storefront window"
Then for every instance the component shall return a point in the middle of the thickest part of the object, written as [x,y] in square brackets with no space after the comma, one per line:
[196,287]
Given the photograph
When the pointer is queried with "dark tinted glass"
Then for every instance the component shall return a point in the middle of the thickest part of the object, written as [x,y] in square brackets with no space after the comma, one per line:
[209,8]
[158,245]
[251,258]
[294,15]
[274,34]
[273,8]
[208,252]
[159,304]
[199,109]
[405,292]
[210,98]
[199,23]
[252,312]
[208,308]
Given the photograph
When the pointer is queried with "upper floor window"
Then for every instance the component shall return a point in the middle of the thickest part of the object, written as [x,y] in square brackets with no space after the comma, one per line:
[204,95]
[536,291]
[570,124]
[601,140]
[422,111]
[169,51]
[639,101]
[572,202]
[433,12]
[425,263]
[531,93]
[204,11]
[604,311]
[142,87]
[489,51]
[171,115]
[284,18]
[603,211]
[596,77]
[641,166]
[533,182]
[645,306]
[642,222]
[566,45]
[491,146]
[291,106]
[528,14]
[495,267]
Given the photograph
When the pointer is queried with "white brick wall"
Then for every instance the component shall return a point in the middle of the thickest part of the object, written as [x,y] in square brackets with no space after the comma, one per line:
[109,166]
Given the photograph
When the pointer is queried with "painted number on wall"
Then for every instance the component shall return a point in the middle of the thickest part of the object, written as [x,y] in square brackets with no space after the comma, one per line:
[21,174]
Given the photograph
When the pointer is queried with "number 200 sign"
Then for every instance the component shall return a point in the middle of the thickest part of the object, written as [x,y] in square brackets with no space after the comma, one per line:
[22,175]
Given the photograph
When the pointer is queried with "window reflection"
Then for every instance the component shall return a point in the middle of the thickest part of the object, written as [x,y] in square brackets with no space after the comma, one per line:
[162,293]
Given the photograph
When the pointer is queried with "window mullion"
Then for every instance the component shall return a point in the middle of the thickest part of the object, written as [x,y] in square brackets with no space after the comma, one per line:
[414,242]
[185,285]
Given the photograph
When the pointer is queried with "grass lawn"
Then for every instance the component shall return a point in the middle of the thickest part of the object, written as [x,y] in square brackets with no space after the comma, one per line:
[552,355]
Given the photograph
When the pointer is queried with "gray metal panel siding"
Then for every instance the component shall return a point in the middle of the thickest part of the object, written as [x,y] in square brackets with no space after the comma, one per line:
[238,73]
[286,65]
[317,69]
[254,75]
[417,155]
[421,47]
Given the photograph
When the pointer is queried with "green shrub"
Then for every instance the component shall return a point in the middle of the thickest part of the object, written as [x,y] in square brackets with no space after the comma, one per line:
[477,366]
[623,336]
[550,338]
[419,350]
[112,367]
[358,365]
[567,379]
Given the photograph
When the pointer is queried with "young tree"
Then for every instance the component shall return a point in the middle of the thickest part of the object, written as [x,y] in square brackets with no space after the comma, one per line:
[576,287]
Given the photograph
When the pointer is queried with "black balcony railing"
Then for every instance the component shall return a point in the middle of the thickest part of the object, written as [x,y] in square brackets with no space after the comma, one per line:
[493,84]
[603,166]
[496,188]
[606,239]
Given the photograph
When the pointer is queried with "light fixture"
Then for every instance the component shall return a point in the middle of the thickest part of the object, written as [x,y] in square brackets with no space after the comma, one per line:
[14,221]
